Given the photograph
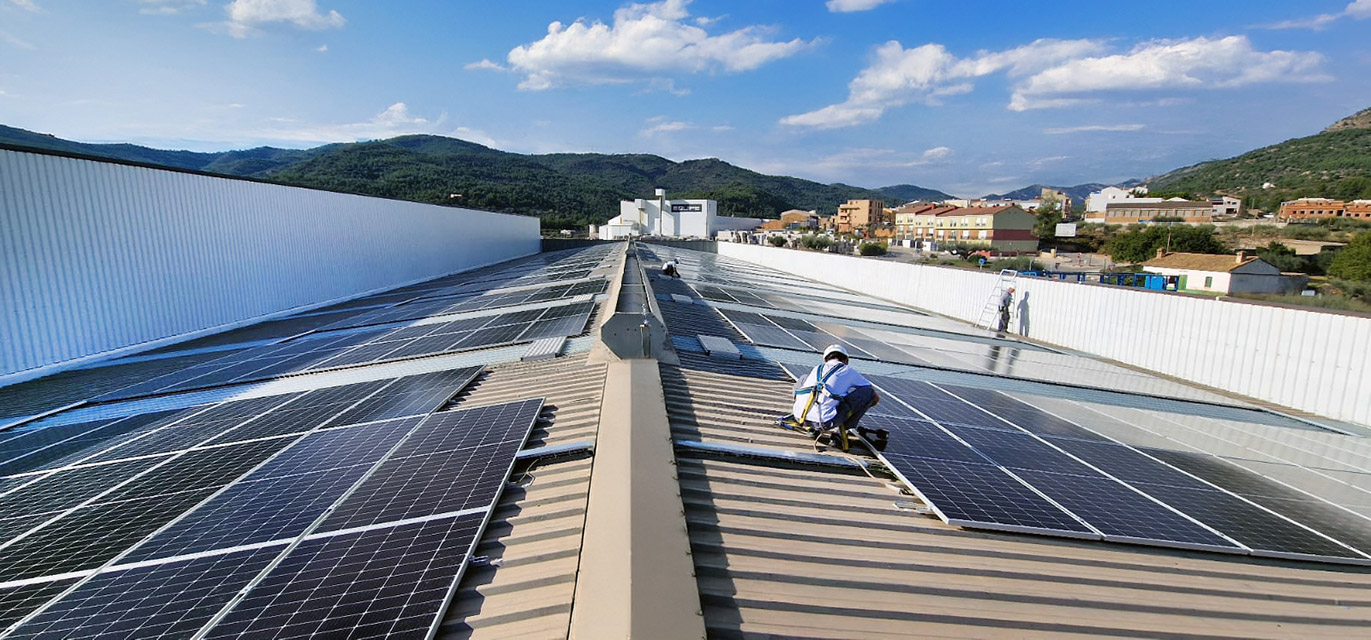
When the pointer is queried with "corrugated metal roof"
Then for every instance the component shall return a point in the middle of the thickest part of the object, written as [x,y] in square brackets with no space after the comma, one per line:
[532,545]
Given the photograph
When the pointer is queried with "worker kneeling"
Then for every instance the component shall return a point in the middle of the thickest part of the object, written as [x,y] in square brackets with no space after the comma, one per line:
[832,398]
[669,269]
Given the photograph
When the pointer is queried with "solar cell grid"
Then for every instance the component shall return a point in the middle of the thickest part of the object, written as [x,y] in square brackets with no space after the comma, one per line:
[793,323]
[952,411]
[337,448]
[424,485]
[389,582]
[747,317]
[252,511]
[410,395]
[555,328]
[82,441]
[1018,450]
[771,336]
[465,428]
[171,600]
[17,602]
[911,391]
[1121,513]
[1262,531]
[919,439]
[65,489]
[1344,526]
[91,536]
[11,527]
[1225,474]
[201,469]
[984,496]
[1126,463]
[491,336]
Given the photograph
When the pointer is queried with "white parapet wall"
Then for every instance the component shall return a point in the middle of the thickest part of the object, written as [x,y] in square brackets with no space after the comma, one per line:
[1308,360]
[101,257]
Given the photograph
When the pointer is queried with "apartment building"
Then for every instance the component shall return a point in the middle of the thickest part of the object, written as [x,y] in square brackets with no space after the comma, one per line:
[860,214]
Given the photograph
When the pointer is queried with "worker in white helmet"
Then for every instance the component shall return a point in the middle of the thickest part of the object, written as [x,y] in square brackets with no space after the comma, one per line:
[833,397]
[671,268]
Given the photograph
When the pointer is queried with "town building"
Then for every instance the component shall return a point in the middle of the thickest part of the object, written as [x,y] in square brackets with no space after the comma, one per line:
[1139,213]
[793,220]
[1324,208]
[1226,206]
[1097,201]
[672,219]
[1241,273]
[1064,201]
[1006,229]
[860,215]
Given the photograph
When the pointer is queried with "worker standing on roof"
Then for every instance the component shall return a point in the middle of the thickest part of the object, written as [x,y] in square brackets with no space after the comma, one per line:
[669,269]
[1006,302]
[833,397]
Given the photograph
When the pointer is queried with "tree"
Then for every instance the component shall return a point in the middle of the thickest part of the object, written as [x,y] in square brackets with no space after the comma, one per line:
[776,241]
[1046,226]
[1139,244]
[1354,261]
[1283,258]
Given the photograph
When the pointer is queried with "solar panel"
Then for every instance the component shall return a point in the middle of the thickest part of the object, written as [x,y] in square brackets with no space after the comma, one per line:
[170,600]
[949,410]
[1023,415]
[92,535]
[388,582]
[1124,515]
[410,395]
[81,440]
[335,448]
[1260,530]
[1126,463]
[1018,450]
[772,336]
[68,488]
[921,439]
[200,469]
[193,430]
[20,601]
[984,496]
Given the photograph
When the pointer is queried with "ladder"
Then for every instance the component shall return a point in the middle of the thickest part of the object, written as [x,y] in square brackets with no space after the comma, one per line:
[990,313]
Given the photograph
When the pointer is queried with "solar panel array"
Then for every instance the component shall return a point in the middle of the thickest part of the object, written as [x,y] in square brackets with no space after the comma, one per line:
[360,527]
[350,507]
[982,459]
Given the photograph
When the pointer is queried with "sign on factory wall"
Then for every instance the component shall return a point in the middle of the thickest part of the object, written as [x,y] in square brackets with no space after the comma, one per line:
[687,208]
[1066,230]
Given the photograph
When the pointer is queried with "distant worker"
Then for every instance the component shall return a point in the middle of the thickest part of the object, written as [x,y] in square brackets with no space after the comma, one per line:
[832,398]
[669,269]
[1006,303]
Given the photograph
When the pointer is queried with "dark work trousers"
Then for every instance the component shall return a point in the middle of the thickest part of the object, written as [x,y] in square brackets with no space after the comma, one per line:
[853,406]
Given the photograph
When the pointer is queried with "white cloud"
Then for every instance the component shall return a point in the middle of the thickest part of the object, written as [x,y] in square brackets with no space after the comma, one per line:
[25,4]
[1167,65]
[1357,10]
[845,6]
[168,7]
[662,124]
[936,153]
[395,120]
[645,41]
[323,48]
[1094,127]
[900,76]
[15,42]
[485,64]
[246,16]
[475,135]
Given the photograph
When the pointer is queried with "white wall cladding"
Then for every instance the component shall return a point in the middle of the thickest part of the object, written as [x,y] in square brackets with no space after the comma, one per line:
[98,256]
[1312,361]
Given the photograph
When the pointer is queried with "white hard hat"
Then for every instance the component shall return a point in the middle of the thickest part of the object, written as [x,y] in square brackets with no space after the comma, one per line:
[834,348]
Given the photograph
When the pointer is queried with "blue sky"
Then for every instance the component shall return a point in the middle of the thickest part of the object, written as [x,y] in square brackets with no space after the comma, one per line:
[968,97]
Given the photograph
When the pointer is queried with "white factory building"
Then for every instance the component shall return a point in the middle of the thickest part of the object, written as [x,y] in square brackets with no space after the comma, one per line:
[670,218]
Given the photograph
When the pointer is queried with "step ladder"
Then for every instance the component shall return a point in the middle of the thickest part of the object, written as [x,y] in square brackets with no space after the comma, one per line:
[990,314]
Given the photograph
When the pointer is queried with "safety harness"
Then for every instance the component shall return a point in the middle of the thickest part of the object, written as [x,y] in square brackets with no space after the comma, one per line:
[814,392]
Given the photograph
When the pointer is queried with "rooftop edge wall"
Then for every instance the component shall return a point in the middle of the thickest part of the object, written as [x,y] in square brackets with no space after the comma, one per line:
[96,256]
[1306,360]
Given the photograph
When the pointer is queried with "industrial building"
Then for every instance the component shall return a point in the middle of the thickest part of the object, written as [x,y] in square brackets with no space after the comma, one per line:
[665,218]
[566,444]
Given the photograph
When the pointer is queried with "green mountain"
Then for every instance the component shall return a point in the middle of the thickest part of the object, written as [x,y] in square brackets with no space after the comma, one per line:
[563,189]
[1335,163]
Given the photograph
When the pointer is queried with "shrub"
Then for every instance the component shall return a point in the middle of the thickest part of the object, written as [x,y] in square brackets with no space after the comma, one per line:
[777,241]
[871,249]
